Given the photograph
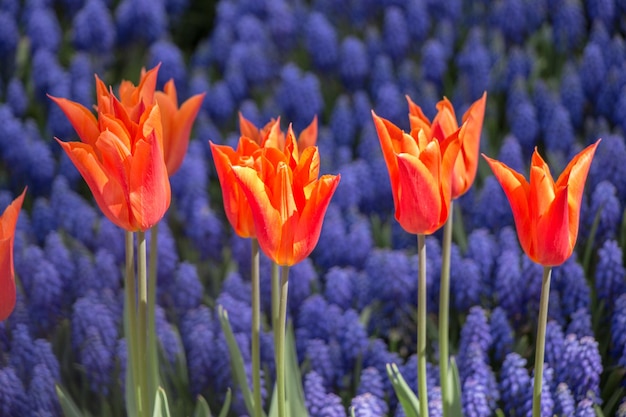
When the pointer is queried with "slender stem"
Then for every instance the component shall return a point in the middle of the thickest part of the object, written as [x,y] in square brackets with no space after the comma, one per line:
[444,307]
[256,328]
[130,328]
[280,348]
[153,364]
[540,343]
[145,408]
[275,301]
[422,389]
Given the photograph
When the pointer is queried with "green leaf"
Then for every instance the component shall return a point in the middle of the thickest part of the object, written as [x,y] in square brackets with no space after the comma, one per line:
[406,396]
[598,410]
[226,405]
[161,407]
[67,404]
[454,382]
[352,412]
[294,391]
[236,360]
[202,407]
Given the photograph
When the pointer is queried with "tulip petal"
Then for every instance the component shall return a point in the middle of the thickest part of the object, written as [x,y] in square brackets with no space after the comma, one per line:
[82,120]
[267,220]
[8,223]
[235,203]
[177,127]
[149,183]
[517,191]
[419,204]
[109,193]
[466,163]
[574,176]
[444,123]
[308,137]
[386,130]
[312,216]
[553,241]
[417,119]
[248,129]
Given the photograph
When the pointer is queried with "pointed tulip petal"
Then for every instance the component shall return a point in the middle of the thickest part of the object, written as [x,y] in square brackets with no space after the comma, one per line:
[8,223]
[517,191]
[83,121]
[554,244]
[308,137]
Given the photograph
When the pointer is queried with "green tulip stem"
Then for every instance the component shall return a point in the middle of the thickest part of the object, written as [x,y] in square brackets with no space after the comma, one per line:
[280,336]
[275,299]
[422,389]
[152,353]
[130,328]
[256,328]
[142,326]
[540,343]
[444,307]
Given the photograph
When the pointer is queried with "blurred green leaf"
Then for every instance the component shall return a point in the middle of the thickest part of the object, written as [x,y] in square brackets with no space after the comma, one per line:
[406,396]
[226,405]
[161,407]
[294,390]
[236,360]
[454,382]
[67,404]
[202,407]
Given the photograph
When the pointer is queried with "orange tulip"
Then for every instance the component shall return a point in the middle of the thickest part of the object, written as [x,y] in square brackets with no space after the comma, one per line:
[445,124]
[420,170]
[121,159]
[546,213]
[288,204]
[177,123]
[133,100]
[262,136]
[8,221]
[236,205]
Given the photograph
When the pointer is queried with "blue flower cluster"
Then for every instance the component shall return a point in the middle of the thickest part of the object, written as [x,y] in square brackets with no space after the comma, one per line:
[555,79]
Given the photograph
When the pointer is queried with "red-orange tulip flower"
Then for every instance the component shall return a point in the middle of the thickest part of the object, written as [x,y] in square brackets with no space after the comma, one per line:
[121,160]
[445,124]
[236,205]
[133,100]
[546,213]
[288,205]
[308,137]
[8,221]
[420,170]
[177,123]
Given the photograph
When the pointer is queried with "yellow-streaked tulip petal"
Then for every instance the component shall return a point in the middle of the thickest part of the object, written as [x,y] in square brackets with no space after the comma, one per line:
[267,220]
[150,192]
[312,216]
[418,206]
[110,195]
